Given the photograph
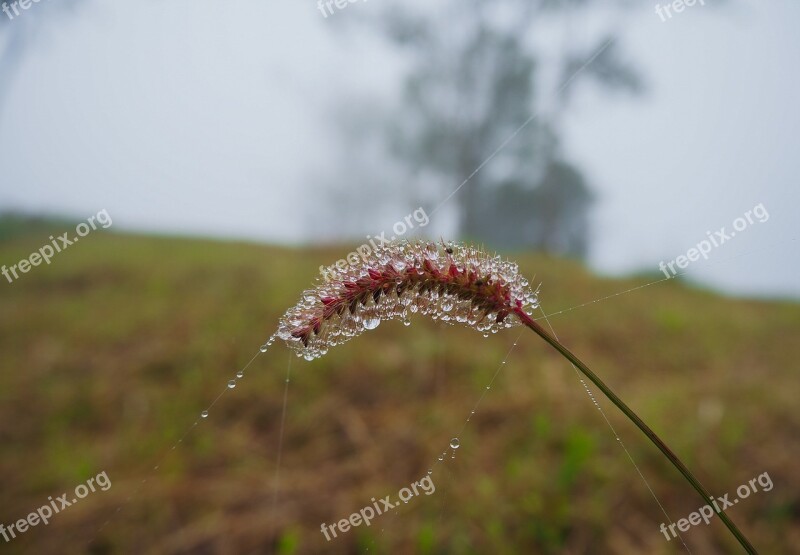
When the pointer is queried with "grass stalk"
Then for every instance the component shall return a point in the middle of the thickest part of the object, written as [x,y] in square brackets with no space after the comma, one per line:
[672,457]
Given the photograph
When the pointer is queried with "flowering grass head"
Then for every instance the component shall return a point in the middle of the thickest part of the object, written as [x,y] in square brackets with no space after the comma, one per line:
[448,282]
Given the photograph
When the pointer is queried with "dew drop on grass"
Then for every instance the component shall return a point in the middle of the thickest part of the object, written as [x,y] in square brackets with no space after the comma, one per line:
[231,384]
[204,414]
[455,443]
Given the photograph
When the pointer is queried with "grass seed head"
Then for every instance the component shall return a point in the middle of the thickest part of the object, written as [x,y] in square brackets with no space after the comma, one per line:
[448,282]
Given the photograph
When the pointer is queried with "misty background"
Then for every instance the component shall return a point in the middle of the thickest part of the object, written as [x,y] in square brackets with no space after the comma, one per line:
[630,137]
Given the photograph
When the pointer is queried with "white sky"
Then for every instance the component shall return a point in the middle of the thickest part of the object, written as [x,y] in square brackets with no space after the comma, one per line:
[193,118]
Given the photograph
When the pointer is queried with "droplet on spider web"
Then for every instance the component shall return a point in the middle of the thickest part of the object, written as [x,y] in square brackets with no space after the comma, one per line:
[231,384]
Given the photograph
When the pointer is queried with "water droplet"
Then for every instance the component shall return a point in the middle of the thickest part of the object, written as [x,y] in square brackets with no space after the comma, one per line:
[441,457]
[263,348]
[430,471]
[371,323]
[231,384]
[204,414]
[488,387]
[240,374]
[455,443]
[406,323]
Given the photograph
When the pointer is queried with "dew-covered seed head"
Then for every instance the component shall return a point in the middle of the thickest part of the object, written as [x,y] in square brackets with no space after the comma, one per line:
[451,283]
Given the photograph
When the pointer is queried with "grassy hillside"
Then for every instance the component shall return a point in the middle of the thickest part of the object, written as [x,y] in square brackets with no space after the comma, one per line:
[110,353]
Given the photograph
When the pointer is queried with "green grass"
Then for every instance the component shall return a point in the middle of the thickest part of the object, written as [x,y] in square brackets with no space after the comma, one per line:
[110,353]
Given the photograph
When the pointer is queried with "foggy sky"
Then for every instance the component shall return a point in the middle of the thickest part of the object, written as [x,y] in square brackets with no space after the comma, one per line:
[192,117]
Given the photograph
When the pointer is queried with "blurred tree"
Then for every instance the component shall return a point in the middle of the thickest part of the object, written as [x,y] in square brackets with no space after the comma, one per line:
[19,30]
[483,102]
